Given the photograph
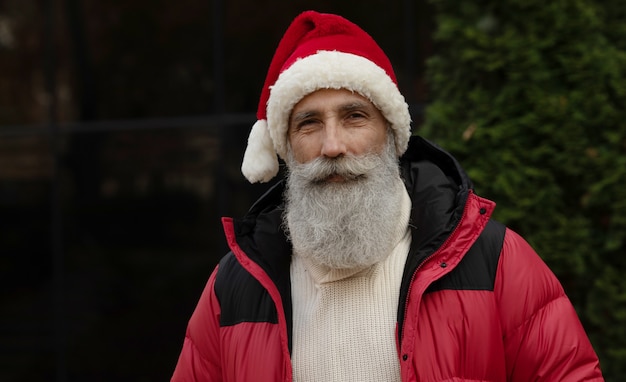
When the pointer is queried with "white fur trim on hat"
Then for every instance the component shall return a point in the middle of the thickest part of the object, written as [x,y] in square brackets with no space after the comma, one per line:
[335,70]
[260,163]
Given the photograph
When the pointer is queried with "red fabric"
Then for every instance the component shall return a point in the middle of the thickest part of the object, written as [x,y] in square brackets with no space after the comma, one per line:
[524,330]
[310,32]
[544,339]
[200,358]
[438,321]
[244,352]
[248,351]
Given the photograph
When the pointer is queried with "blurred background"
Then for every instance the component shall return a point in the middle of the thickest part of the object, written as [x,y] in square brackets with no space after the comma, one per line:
[123,125]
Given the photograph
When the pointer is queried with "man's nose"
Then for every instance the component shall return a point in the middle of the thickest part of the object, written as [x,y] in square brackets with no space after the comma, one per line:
[334,144]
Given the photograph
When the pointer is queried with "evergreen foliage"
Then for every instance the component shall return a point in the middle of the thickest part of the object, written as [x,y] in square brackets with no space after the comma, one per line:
[530,96]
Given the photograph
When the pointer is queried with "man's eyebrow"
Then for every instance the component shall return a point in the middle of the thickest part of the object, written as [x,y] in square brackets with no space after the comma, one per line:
[356,105]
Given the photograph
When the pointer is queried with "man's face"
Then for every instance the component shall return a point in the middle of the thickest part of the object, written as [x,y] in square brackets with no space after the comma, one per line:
[343,184]
[332,123]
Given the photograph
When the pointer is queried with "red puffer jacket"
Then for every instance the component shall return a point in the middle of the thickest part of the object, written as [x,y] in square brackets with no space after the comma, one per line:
[476,302]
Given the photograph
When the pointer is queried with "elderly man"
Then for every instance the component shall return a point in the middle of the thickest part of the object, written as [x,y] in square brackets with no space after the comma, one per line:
[374,260]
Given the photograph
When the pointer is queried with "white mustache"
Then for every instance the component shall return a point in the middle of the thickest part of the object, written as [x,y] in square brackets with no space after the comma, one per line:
[349,167]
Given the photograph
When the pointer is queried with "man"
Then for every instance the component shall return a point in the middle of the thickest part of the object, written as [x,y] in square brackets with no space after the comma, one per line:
[374,260]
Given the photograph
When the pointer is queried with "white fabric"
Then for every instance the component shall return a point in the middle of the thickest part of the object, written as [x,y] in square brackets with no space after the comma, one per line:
[344,321]
[260,163]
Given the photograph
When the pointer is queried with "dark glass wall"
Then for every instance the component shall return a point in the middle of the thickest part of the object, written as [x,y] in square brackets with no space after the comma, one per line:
[122,127]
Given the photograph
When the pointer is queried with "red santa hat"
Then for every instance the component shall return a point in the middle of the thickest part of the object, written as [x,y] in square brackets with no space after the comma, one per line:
[320,51]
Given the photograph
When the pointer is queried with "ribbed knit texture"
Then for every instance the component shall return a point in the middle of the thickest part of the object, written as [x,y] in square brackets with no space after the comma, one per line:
[344,320]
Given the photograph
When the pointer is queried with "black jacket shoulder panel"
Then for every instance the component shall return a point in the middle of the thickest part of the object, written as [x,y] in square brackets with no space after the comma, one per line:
[477,269]
[261,236]
[242,298]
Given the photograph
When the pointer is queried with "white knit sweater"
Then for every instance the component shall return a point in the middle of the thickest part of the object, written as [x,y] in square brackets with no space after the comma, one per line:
[344,320]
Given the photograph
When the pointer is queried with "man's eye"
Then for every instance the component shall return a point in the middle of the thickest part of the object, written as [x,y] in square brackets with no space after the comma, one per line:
[306,124]
[356,115]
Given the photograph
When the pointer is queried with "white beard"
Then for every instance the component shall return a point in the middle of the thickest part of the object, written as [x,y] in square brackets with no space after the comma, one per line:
[350,224]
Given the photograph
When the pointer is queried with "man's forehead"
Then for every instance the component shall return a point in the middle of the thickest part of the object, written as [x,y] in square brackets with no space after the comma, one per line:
[343,99]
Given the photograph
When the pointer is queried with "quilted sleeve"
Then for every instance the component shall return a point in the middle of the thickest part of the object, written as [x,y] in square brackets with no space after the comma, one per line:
[199,359]
[543,337]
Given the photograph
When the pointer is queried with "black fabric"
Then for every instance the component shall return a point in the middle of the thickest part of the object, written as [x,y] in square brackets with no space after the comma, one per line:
[477,269]
[242,298]
[261,237]
[421,149]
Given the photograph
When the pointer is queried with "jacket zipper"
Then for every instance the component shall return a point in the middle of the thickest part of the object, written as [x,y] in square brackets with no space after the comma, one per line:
[406,304]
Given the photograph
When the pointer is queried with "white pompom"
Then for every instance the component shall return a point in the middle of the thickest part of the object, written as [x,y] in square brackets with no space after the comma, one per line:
[260,163]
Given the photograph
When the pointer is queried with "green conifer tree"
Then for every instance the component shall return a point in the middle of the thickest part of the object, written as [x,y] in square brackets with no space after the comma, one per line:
[531,97]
